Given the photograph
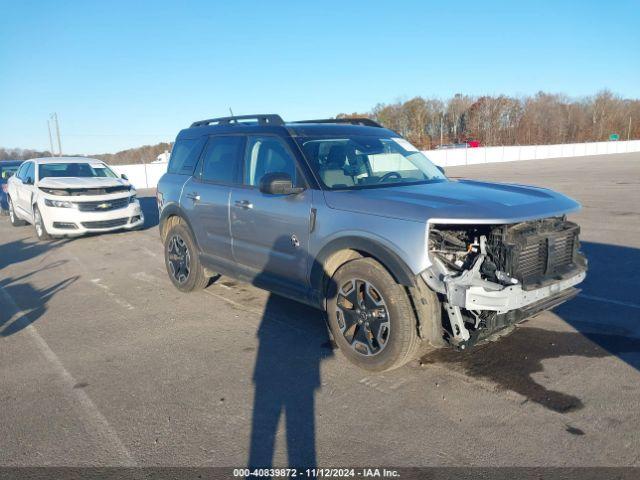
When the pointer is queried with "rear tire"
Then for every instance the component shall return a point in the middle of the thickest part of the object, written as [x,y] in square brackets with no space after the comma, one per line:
[376,330]
[15,221]
[38,223]
[182,260]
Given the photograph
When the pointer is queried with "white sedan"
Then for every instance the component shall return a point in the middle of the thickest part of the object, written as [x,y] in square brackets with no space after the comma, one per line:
[69,196]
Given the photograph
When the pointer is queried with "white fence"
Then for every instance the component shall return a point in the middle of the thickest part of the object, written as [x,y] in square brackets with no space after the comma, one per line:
[471,156]
[143,175]
[147,175]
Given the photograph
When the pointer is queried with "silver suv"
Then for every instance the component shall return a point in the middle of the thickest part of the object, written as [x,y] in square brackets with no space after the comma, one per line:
[351,218]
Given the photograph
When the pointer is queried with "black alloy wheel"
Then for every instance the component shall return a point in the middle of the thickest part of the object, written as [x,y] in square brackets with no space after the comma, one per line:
[179,259]
[363,317]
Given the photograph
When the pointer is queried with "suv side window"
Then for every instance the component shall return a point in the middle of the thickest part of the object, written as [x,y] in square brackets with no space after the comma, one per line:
[267,154]
[221,159]
[184,156]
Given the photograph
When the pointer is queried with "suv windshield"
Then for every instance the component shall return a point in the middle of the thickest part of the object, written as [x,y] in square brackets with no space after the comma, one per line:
[361,161]
[75,169]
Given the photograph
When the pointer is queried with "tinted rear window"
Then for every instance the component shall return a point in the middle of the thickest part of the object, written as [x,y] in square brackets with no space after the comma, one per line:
[184,156]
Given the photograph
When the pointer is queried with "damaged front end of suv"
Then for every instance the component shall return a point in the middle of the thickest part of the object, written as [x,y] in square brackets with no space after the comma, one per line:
[492,276]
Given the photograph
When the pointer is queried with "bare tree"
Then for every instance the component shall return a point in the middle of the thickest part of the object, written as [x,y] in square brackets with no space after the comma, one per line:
[543,118]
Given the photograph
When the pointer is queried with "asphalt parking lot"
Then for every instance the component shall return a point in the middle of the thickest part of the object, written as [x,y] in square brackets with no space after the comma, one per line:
[103,362]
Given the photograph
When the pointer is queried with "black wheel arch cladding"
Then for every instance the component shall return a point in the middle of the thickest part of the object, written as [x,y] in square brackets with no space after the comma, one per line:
[398,269]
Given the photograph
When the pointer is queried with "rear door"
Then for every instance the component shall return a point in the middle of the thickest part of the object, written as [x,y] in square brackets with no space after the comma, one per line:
[205,197]
[270,232]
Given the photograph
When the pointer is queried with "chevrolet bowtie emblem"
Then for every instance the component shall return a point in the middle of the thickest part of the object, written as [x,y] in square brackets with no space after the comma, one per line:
[103,206]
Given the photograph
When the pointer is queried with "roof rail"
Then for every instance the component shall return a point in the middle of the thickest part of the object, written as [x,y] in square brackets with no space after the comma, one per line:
[262,119]
[367,122]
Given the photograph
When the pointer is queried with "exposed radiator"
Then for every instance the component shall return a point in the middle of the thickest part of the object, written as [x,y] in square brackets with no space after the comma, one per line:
[535,252]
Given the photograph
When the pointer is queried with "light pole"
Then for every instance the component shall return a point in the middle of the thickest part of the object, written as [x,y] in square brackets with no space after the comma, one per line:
[54,117]
[50,138]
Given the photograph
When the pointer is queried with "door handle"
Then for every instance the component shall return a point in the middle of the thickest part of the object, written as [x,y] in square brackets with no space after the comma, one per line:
[193,196]
[246,204]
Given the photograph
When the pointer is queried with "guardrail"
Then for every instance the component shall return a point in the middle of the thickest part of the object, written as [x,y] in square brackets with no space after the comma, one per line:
[147,175]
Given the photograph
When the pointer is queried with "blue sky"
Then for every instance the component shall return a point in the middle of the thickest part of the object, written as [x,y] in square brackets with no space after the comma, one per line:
[126,73]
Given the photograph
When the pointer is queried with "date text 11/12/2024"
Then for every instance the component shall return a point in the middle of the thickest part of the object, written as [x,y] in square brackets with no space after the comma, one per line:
[317,472]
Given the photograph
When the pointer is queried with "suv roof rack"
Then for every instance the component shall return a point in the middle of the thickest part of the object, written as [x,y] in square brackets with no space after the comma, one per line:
[367,122]
[262,119]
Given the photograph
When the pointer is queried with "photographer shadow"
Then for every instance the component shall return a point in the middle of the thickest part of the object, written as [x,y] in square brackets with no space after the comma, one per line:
[293,342]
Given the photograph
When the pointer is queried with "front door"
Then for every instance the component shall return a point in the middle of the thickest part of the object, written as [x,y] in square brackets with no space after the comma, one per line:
[270,232]
[26,191]
[205,197]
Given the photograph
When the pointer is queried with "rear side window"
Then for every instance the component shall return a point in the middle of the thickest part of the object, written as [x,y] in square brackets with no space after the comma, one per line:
[221,160]
[184,156]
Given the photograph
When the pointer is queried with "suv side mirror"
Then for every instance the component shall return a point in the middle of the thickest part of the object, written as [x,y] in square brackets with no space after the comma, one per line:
[28,181]
[124,177]
[278,183]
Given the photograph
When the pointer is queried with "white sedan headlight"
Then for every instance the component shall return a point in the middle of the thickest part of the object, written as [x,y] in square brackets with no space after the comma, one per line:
[58,203]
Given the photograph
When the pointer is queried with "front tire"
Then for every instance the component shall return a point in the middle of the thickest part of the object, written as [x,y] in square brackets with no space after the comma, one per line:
[15,221]
[182,260]
[370,316]
[38,223]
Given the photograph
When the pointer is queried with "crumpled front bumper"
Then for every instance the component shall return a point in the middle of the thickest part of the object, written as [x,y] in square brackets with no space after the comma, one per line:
[471,292]
[466,296]
[514,297]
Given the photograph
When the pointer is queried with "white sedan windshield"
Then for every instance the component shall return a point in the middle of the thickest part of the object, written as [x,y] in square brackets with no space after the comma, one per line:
[75,169]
